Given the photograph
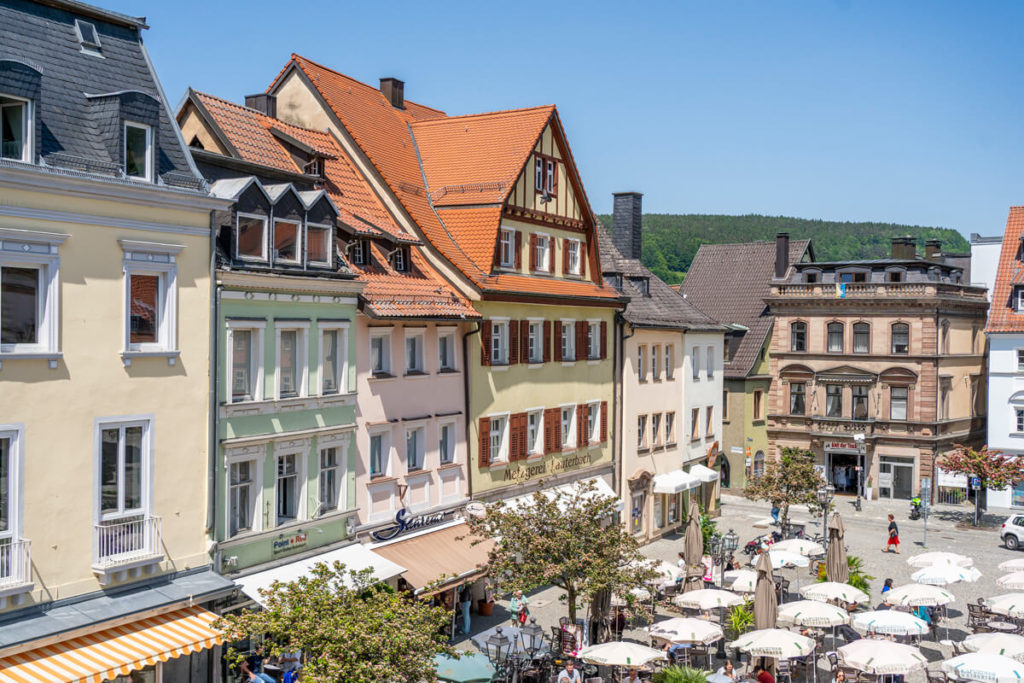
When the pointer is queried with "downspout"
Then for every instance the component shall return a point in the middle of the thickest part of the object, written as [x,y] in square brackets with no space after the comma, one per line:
[465,401]
[618,405]
[211,476]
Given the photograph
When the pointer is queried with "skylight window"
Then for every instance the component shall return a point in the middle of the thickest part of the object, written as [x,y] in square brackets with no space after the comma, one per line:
[87,36]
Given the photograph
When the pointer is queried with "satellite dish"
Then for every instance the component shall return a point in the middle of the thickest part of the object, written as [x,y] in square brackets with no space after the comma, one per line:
[545,197]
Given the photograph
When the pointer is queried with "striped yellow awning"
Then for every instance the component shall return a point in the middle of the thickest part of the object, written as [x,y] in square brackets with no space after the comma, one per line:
[117,651]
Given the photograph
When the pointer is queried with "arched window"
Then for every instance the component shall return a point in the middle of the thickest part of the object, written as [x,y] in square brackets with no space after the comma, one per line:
[758,464]
[900,339]
[798,337]
[861,338]
[835,337]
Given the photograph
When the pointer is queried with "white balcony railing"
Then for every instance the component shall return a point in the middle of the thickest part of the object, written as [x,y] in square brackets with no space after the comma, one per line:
[128,541]
[15,563]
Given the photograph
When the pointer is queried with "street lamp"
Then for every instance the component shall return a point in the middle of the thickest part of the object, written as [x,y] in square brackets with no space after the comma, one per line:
[532,636]
[825,496]
[498,647]
[726,545]
[861,458]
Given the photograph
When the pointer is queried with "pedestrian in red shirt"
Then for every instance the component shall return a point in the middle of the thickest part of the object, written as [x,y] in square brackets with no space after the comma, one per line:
[762,675]
[894,536]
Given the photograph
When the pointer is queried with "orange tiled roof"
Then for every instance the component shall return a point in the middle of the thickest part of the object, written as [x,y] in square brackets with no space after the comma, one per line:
[1001,316]
[483,157]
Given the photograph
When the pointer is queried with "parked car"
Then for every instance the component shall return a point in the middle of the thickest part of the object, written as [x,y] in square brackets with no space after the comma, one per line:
[1012,531]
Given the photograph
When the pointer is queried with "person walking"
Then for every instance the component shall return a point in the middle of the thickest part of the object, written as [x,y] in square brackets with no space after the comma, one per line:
[894,536]
[466,601]
[519,606]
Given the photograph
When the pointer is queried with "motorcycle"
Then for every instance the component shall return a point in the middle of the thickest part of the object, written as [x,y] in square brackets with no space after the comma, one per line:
[915,508]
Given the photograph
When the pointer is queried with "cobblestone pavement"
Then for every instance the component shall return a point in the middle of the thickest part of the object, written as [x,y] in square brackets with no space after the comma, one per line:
[865,537]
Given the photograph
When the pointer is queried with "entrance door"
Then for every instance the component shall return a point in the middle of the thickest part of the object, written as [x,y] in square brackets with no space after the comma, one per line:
[895,478]
[841,471]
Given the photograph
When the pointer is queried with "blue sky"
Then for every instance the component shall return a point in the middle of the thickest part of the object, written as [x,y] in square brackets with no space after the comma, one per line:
[892,111]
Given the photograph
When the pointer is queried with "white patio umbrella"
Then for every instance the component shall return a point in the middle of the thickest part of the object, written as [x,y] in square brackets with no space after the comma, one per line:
[1010,604]
[708,598]
[774,642]
[1006,644]
[687,630]
[639,594]
[992,668]
[1014,581]
[890,623]
[929,559]
[918,595]
[783,558]
[882,657]
[1012,565]
[812,613]
[620,653]
[945,574]
[800,546]
[830,590]
[741,580]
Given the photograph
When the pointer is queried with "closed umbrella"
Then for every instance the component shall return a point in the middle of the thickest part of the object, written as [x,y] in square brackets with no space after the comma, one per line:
[687,630]
[708,598]
[836,567]
[991,668]
[620,653]
[1010,604]
[945,574]
[919,595]
[882,657]
[890,623]
[781,559]
[1014,581]
[928,559]
[774,642]
[1006,644]
[693,549]
[827,591]
[470,667]
[741,580]
[766,609]
[800,546]
[1012,565]
[812,613]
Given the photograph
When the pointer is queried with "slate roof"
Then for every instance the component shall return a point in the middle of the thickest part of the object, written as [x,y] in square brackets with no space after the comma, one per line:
[663,307]
[81,100]
[729,282]
[1001,316]
[451,174]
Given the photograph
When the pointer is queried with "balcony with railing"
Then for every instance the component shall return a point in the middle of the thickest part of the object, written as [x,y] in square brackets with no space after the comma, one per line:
[877,290]
[15,568]
[126,544]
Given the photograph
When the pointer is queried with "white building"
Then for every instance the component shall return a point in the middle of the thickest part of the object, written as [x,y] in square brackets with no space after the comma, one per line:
[703,375]
[985,260]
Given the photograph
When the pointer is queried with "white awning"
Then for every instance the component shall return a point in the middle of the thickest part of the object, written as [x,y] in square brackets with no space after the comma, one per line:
[601,488]
[674,482]
[705,474]
[355,557]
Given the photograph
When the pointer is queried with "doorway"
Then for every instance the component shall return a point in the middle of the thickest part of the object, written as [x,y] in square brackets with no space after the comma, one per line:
[843,472]
[895,478]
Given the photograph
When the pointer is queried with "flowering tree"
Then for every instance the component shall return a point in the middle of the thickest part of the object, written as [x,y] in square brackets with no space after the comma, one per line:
[350,628]
[566,539]
[790,480]
[995,470]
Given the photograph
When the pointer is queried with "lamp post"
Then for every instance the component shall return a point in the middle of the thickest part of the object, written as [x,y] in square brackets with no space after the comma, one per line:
[532,637]
[825,496]
[861,458]
[498,646]
[726,545]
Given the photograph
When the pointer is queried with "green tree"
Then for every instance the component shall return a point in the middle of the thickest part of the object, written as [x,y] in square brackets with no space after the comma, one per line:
[565,539]
[993,468]
[349,628]
[790,480]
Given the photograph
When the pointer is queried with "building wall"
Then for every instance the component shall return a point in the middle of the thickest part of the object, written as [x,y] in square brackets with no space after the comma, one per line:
[1005,396]
[985,261]
[702,392]
[57,407]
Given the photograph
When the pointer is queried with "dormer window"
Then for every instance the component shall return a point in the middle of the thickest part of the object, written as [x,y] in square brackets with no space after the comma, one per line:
[643,284]
[360,252]
[315,167]
[88,38]
[811,277]
[15,128]
[400,260]
[138,151]
[251,238]
[318,244]
[286,242]
[1020,300]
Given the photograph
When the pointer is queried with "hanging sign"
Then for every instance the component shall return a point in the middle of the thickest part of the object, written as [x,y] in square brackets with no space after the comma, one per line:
[407,522]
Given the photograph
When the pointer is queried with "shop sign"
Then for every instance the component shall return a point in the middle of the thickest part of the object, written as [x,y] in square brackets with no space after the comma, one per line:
[552,467]
[406,522]
[944,479]
[713,454]
[286,544]
[845,446]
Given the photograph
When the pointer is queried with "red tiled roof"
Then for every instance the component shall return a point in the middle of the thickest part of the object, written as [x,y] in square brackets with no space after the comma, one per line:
[482,158]
[1001,316]
[419,293]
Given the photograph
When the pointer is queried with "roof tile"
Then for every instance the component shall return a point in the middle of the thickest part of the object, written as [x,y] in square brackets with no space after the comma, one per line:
[1001,316]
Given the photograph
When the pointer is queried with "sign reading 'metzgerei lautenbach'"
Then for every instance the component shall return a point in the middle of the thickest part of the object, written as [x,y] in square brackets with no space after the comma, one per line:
[405,522]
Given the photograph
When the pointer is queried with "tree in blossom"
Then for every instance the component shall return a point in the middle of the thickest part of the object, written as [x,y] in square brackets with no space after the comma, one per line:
[790,480]
[350,628]
[568,539]
[993,468]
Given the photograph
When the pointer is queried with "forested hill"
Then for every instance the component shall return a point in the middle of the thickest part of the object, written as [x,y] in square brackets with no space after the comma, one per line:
[671,240]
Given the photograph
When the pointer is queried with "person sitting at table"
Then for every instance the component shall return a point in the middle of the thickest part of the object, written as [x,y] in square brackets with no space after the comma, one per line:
[633,676]
[674,650]
[762,676]
[569,674]
[727,670]
[618,623]
[840,677]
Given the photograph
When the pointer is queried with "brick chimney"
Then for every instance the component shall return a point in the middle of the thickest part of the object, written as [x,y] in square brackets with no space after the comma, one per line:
[904,248]
[932,249]
[394,91]
[781,254]
[262,102]
[627,215]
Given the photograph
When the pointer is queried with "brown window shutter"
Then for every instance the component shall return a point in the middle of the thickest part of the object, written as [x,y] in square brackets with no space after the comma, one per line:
[552,430]
[581,339]
[584,257]
[533,251]
[518,260]
[604,339]
[565,257]
[484,458]
[513,342]
[547,341]
[485,342]
[554,179]
[497,251]
[519,441]
[557,342]
[581,425]
[604,421]
[513,438]
[524,341]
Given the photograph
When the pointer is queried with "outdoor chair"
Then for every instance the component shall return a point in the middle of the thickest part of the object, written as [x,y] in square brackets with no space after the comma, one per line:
[700,652]
[833,658]
[977,618]
[935,676]
[784,671]
[784,588]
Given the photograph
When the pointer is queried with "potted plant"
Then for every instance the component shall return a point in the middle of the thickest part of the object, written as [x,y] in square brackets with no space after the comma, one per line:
[681,674]
[485,605]
[868,490]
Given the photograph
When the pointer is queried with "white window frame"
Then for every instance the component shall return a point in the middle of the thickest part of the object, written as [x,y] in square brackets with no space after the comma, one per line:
[384,334]
[507,250]
[300,482]
[399,260]
[656,362]
[641,363]
[499,341]
[339,441]
[420,428]
[1020,298]
[905,400]
[384,432]
[338,468]
[360,248]
[301,329]
[1020,360]
[568,440]
[535,446]
[535,340]
[574,257]
[709,362]
[656,429]
[670,427]
[451,334]
[27,125]
[695,362]
[568,340]
[503,437]
[330,244]
[257,330]
[594,422]
[594,340]
[256,466]
[341,327]
[266,237]
[419,336]
[149,150]
[160,260]
[442,457]
[670,360]
[1019,414]
[299,242]
[38,250]
[543,249]
[641,432]
[15,434]
[538,174]
[122,422]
